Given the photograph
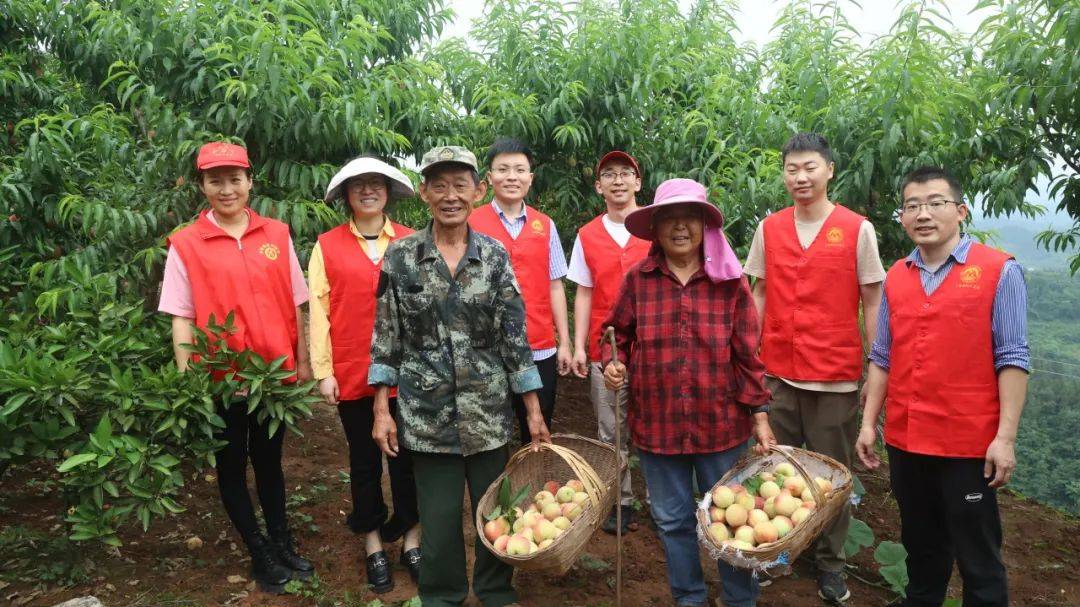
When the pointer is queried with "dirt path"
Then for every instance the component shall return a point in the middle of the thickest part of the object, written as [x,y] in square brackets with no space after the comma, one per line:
[157,568]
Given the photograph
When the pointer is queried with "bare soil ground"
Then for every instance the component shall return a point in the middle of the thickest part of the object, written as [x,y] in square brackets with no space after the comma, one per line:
[1042,546]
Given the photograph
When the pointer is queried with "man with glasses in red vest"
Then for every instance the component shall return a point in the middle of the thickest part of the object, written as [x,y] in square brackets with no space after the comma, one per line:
[951,359]
[603,252]
[814,262]
[539,266]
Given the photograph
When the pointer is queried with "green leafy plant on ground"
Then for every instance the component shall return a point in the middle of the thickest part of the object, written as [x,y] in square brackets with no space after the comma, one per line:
[890,556]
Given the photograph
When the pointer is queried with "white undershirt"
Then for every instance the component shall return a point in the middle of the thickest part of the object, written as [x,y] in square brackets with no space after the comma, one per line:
[579,270]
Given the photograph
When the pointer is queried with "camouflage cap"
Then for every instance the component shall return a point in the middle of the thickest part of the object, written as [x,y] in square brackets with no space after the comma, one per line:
[447,153]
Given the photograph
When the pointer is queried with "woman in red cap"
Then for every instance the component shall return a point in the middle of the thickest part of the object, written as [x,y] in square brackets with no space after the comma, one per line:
[233,260]
[344,273]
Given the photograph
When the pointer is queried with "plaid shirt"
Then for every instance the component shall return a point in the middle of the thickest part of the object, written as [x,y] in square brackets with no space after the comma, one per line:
[693,366]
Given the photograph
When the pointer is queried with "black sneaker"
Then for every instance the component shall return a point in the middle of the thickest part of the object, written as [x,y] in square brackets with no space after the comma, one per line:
[832,588]
[628,519]
[378,572]
[285,551]
[269,574]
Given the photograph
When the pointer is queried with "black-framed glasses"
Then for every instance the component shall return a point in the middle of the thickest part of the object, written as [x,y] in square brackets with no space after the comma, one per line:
[932,206]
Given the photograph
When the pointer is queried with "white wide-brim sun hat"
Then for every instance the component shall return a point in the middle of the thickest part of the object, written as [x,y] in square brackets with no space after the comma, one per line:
[400,185]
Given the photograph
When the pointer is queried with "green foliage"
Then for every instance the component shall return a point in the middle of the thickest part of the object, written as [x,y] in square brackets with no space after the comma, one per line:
[859,536]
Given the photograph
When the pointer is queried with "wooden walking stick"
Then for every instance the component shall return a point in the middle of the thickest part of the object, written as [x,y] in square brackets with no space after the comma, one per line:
[609,334]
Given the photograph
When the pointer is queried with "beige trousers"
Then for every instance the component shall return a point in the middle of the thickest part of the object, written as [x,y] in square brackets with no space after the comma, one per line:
[604,404]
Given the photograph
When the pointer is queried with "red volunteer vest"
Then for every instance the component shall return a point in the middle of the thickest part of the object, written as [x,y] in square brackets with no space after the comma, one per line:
[354,282]
[530,255]
[942,395]
[250,277]
[608,264]
[811,326]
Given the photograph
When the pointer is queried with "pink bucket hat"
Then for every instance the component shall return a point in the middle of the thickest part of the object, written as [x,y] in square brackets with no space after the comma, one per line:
[720,260]
[673,192]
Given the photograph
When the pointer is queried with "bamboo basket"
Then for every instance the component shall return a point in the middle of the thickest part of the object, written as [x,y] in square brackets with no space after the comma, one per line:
[777,556]
[568,456]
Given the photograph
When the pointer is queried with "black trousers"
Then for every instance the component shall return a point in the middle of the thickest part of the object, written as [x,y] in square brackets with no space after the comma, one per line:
[246,438]
[948,513]
[365,473]
[546,396]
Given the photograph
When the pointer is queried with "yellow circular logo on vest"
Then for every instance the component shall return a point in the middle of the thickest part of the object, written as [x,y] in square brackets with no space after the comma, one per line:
[834,236]
[270,251]
[970,275]
[537,226]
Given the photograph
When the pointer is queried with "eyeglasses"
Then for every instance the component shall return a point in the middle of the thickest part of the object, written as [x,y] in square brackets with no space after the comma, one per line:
[359,184]
[611,175]
[934,207]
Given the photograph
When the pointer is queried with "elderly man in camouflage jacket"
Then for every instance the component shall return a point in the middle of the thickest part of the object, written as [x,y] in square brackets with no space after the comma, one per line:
[450,335]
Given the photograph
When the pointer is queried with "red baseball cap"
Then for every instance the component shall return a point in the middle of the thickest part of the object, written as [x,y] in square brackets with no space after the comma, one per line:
[618,155]
[222,154]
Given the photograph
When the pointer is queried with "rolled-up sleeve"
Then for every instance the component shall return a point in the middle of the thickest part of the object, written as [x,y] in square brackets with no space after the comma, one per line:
[513,344]
[745,332]
[879,351]
[385,341]
[1009,323]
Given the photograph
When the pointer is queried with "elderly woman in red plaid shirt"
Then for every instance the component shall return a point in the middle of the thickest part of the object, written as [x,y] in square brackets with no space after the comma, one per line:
[687,336]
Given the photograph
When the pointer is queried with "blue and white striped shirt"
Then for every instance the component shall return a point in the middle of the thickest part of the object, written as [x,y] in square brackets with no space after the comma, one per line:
[556,257]
[1008,320]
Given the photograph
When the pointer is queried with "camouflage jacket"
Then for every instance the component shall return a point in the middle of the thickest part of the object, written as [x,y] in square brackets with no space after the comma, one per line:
[454,346]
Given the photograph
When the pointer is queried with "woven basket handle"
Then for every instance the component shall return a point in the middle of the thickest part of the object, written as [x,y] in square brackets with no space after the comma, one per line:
[785,452]
[584,472]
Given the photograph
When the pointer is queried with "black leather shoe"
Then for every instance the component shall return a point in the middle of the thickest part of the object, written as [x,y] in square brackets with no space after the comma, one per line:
[285,551]
[378,572]
[269,574]
[411,558]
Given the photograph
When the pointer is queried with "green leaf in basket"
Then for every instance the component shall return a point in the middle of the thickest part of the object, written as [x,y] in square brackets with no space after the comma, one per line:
[859,536]
[520,495]
[504,493]
[752,484]
[496,513]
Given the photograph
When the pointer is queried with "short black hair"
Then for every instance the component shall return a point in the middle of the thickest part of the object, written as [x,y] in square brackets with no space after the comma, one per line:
[807,142]
[930,173]
[509,145]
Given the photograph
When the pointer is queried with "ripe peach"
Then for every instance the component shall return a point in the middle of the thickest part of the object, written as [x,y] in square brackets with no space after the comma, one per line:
[783,525]
[571,511]
[552,511]
[756,516]
[533,547]
[769,489]
[786,505]
[500,543]
[807,495]
[519,524]
[737,488]
[811,506]
[745,534]
[543,497]
[719,532]
[544,530]
[795,484]
[528,533]
[716,515]
[561,522]
[551,487]
[799,516]
[735,515]
[823,484]
[768,477]
[576,485]
[565,495]
[784,469]
[770,507]
[518,545]
[495,528]
[723,497]
[759,502]
[581,498]
[746,501]
[530,518]
[741,545]
[765,532]
[544,544]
